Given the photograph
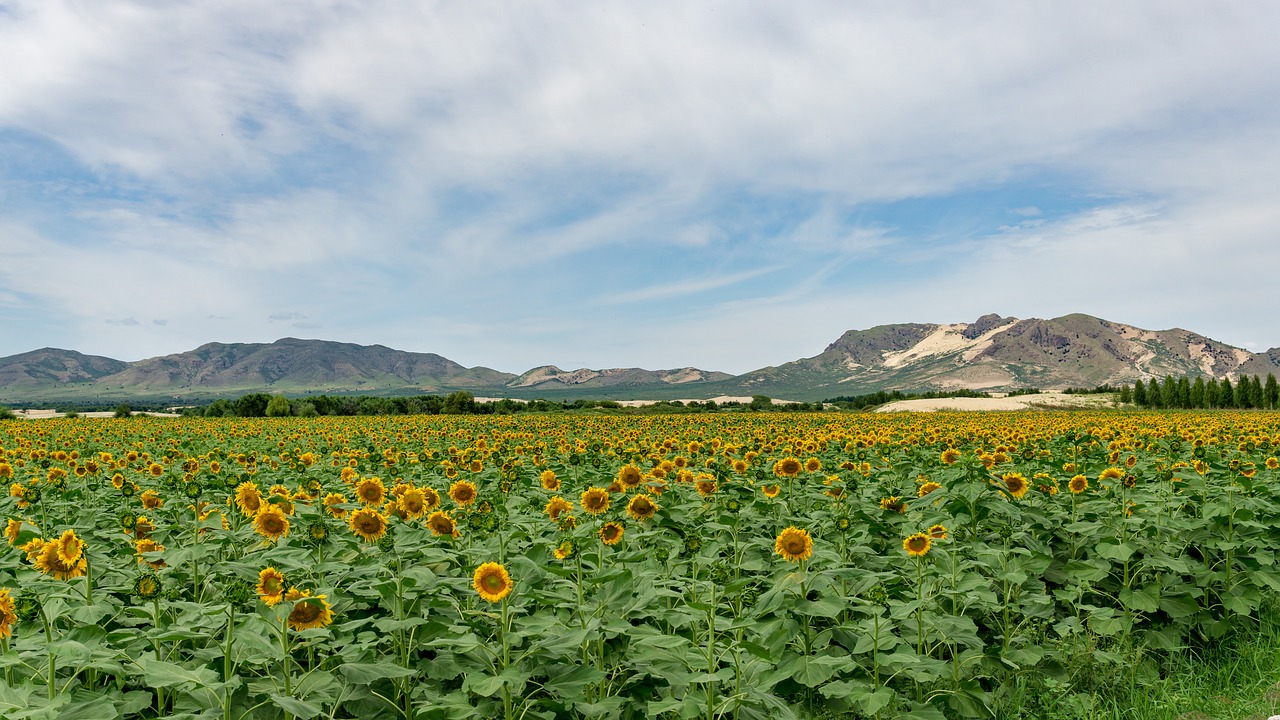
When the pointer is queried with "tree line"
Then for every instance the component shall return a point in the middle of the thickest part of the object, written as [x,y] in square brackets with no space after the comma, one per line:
[1249,392]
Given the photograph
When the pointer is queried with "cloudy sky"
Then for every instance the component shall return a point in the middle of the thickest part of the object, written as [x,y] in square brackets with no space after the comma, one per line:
[720,184]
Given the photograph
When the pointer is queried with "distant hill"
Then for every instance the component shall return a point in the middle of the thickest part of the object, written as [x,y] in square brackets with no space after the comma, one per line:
[992,353]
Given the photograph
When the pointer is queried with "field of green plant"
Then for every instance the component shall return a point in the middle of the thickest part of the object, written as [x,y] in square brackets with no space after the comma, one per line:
[733,566]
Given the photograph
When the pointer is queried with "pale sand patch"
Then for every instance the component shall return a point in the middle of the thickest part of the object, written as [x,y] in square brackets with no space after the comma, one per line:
[28,414]
[1020,402]
[719,399]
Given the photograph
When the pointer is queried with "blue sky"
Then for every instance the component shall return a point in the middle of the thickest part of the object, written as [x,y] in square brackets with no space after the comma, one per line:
[654,184]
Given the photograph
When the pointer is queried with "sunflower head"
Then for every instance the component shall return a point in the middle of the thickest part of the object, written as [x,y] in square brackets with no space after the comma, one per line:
[595,500]
[642,507]
[271,522]
[611,533]
[463,493]
[270,585]
[442,525]
[630,476]
[950,456]
[1078,484]
[557,506]
[371,491]
[770,491]
[1016,484]
[308,611]
[787,467]
[938,532]
[794,544]
[549,480]
[368,523]
[917,545]
[492,582]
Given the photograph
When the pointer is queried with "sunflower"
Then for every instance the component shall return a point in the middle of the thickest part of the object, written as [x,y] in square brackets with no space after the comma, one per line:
[147,585]
[412,504]
[463,493]
[629,476]
[950,456]
[8,616]
[368,523]
[308,611]
[156,469]
[142,527]
[492,582]
[371,491]
[248,498]
[794,544]
[927,488]
[1078,484]
[147,545]
[787,467]
[771,491]
[917,545]
[556,506]
[1111,473]
[270,586]
[12,529]
[595,500]
[611,533]
[549,480]
[1016,484]
[893,503]
[441,524]
[706,487]
[740,466]
[332,501]
[271,522]
[62,558]
[1272,463]
[641,507]
[151,500]
[565,549]
[813,464]
[938,532]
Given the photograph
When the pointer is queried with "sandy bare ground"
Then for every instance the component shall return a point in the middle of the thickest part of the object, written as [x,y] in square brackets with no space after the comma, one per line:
[1020,402]
[47,414]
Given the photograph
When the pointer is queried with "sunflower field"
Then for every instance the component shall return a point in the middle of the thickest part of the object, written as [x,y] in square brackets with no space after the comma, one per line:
[581,566]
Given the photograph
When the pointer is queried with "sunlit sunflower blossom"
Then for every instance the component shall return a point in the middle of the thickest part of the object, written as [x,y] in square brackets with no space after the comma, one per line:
[595,500]
[309,611]
[794,545]
[1272,463]
[549,480]
[370,491]
[270,586]
[8,615]
[368,523]
[917,545]
[463,493]
[938,532]
[412,504]
[927,488]
[611,533]
[147,545]
[1078,484]
[770,491]
[441,524]
[893,503]
[1111,473]
[271,522]
[332,501]
[565,549]
[492,582]
[1016,484]
[12,529]
[813,464]
[706,487]
[787,467]
[248,498]
[950,456]
[630,476]
[63,558]
[151,499]
[642,507]
[556,506]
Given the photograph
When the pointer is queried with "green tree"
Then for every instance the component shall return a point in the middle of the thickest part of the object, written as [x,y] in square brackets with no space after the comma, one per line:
[1196,394]
[7,414]
[1226,394]
[1271,392]
[252,405]
[1126,394]
[123,411]
[459,403]
[1140,394]
[1255,392]
[1211,393]
[760,402]
[278,406]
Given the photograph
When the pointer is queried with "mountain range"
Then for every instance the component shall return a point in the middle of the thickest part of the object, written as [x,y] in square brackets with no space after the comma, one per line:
[992,353]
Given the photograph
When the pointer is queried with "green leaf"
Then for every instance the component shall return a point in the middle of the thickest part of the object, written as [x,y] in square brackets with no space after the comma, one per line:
[159,674]
[301,708]
[1144,599]
[1179,606]
[365,673]
[1119,552]
[483,685]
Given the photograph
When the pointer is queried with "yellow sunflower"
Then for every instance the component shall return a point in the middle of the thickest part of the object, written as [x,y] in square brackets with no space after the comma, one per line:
[1111,473]
[595,500]
[787,467]
[412,504]
[938,532]
[331,503]
[1016,484]
[371,491]
[706,487]
[270,586]
[308,611]
[813,464]
[549,480]
[8,615]
[442,525]
[492,582]
[611,533]
[629,476]
[1078,484]
[770,491]
[950,456]
[248,498]
[556,506]
[917,545]
[62,558]
[794,544]
[271,522]
[463,493]
[927,488]
[368,523]
[641,507]
[147,545]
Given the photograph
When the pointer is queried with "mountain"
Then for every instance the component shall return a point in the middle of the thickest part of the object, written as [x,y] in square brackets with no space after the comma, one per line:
[999,353]
[992,353]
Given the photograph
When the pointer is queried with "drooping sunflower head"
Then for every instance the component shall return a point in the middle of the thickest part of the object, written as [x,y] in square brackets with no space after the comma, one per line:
[1111,473]
[368,523]
[8,615]
[556,506]
[1016,484]
[642,507]
[248,498]
[549,480]
[151,499]
[928,487]
[565,549]
[950,456]
[611,533]
[332,503]
[492,582]
[371,491]
[463,493]
[147,545]
[771,491]
[706,487]
[309,611]
[442,525]
[271,522]
[938,532]
[412,504]
[630,476]
[1078,484]
[270,585]
[595,500]
[917,545]
[793,544]
[893,503]
[787,467]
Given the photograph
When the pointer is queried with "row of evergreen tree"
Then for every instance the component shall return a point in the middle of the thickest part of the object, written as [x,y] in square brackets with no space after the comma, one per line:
[1187,392]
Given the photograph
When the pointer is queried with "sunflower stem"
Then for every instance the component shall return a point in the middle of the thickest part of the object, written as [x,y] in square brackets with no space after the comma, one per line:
[53,666]
[228,663]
